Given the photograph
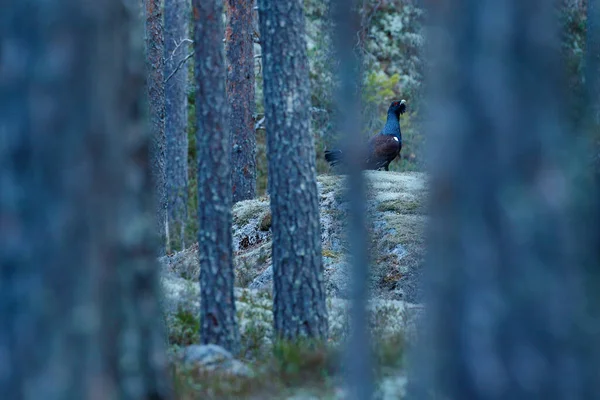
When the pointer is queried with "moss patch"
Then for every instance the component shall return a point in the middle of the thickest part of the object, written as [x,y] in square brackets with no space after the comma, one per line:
[250,263]
[330,253]
[265,222]
[244,211]
[401,207]
[406,229]
[184,328]
[327,183]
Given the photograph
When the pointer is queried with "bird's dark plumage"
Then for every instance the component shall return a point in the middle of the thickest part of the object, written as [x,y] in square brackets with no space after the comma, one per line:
[381,148]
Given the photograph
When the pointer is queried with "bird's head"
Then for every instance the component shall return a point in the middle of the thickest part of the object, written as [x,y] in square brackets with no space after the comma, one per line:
[397,107]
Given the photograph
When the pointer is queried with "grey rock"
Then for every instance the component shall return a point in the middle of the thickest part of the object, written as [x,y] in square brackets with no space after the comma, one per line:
[337,280]
[392,387]
[264,280]
[399,251]
[211,357]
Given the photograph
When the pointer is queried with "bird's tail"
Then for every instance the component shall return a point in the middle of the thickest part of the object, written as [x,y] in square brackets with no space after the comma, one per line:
[333,157]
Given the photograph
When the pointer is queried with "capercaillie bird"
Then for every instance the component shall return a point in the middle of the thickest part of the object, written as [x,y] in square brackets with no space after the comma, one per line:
[382,148]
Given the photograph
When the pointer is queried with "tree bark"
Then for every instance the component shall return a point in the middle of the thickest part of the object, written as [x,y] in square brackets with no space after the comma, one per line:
[177,45]
[505,300]
[218,322]
[79,315]
[299,295]
[240,95]
[156,99]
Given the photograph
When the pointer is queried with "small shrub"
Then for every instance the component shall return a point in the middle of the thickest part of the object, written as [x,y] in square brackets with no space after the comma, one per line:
[303,361]
[184,328]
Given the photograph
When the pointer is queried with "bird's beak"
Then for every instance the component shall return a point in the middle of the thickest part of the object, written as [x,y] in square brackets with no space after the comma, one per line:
[402,106]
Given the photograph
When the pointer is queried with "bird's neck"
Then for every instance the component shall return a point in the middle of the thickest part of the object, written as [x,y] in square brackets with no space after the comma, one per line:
[392,126]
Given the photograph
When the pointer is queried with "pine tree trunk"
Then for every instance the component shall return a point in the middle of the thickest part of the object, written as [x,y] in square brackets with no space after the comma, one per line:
[299,295]
[79,315]
[240,95]
[177,48]
[505,299]
[156,98]
[218,322]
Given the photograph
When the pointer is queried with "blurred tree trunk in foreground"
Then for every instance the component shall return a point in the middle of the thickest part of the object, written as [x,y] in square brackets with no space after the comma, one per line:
[240,95]
[79,316]
[156,98]
[177,45]
[358,361]
[218,323]
[589,205]
[299,293]
[505,297]
[593,99]
[592,59]
[592,77]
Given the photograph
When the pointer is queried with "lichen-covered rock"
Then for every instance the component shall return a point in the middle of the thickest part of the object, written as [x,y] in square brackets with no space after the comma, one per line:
[212,358]
[395,206]
[263,281]
[387,388]
[392,387]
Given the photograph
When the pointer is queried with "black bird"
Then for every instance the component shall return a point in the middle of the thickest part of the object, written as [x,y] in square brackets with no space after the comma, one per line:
[381,148]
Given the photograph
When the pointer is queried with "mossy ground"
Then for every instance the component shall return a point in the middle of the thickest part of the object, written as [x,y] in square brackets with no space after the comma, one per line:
[285,370]
[396,216]
[282,369]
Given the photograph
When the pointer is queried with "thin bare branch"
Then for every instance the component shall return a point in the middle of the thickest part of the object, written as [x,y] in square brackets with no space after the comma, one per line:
[179,66]
[178,45]
[260,124]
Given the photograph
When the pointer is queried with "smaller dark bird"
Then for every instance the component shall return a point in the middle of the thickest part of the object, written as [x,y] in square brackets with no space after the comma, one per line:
[382,148]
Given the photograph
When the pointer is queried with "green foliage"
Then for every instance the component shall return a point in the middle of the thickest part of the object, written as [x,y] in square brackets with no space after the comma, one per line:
[262,171]
[184,328]
[393,43]
[400,207]
[573,30]
[252,341]
[252,338]
[265,222]
[192,384]
[380,89]
[304,361]
[390,354]
[318,38]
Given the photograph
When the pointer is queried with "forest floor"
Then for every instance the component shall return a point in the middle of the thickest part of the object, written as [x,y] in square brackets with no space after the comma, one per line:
[284,371]
[396,214]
